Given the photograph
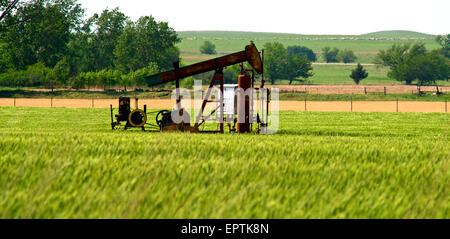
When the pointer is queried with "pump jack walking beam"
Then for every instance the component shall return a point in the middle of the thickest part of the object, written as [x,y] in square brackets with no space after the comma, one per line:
[250,54]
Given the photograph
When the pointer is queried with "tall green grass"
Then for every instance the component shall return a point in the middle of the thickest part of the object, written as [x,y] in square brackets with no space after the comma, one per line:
[67,163]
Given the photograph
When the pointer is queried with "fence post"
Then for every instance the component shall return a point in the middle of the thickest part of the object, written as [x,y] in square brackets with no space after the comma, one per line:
[51,101]
[15,101]
[92,102]
[385,91]
[445,105]
[397,104]
[305,103]
[351,103]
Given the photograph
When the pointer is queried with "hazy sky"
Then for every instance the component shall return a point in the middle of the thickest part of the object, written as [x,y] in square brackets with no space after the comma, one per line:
[304,17]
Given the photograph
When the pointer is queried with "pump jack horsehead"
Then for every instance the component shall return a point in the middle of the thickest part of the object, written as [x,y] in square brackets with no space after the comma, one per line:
[228,105]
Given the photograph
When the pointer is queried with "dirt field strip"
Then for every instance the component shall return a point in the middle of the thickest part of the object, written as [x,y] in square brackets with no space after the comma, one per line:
[337,106]
[364,106]
[357,89]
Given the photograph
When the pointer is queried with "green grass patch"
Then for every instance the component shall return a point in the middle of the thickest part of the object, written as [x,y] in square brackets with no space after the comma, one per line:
[67,163]
[340,75]
[368,97]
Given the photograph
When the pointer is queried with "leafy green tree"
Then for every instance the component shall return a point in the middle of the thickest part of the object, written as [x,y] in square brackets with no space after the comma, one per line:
[275,61]
[90,79]
[359,74]
[145,42]
[78,81]
[126,50]
[301,51]
[279,65]
[109,26]
[414,63]
[346,56]
[137,78]
[43,39]
[298,67]
[208,48]
[34,75]
[330,55]
[38,31]
[231,74]
[6,62]
[61,72]
[444,41]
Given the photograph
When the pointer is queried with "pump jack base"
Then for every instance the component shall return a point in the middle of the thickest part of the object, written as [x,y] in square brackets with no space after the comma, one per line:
[180,128]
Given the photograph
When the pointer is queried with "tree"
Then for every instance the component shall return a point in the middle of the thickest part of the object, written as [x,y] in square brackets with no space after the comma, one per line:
[61,72]
[39,31]
[301,51]
[127,49]
[330,55]
[145,42]
[279,65]
[426,69]
[444,41]
[298,67]
[81,52]
[275,61]
[359,74]
[108,28]
[208,48]
[414,63]
[231,74]
[346,56]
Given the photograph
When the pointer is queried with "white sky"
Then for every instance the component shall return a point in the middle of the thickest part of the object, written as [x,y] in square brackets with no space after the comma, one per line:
[303,17]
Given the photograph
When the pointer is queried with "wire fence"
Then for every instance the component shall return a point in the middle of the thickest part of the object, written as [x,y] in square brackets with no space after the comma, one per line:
[349,105]
[363,90]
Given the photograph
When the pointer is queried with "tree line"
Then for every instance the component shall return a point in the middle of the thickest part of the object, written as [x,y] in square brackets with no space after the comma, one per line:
[411,64]
[50,42]
[415,64]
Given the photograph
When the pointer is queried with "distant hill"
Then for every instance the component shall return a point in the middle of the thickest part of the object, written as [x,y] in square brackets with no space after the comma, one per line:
[274,36]
[399,33]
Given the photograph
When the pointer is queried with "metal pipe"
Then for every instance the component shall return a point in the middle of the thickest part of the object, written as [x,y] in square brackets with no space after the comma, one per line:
[243,104]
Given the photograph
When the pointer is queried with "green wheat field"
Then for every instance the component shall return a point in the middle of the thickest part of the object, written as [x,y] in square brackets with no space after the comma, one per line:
[67,163]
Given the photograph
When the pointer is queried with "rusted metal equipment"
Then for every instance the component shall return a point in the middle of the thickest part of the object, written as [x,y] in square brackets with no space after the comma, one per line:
[243,125]
[133,119]
[165,120]
[250,54]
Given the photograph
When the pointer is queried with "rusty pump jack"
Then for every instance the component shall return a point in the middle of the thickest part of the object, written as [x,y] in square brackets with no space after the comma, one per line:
[250,55]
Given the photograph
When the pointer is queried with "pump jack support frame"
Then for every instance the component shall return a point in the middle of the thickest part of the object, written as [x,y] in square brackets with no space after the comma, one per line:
[218,76]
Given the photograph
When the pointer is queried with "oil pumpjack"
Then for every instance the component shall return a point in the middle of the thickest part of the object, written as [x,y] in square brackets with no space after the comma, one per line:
[228,98]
